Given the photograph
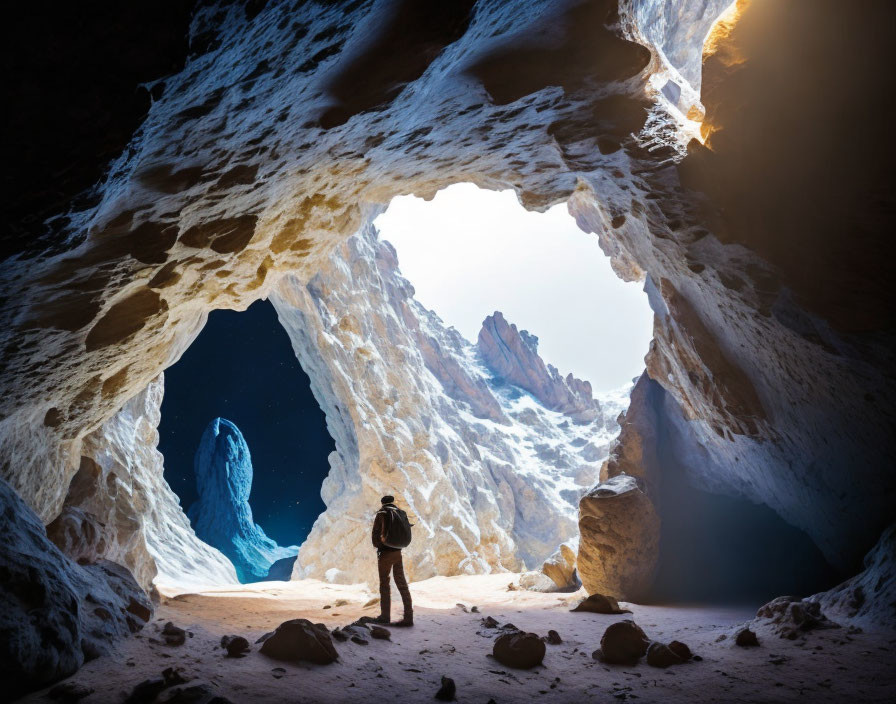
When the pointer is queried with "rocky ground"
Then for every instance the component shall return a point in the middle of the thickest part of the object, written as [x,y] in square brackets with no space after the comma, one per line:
[450,639]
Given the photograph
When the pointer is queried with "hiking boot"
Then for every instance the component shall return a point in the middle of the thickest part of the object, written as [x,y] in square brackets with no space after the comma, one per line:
[405,622]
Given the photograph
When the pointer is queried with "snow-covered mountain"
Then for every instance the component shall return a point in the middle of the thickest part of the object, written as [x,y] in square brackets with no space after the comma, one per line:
[487,447]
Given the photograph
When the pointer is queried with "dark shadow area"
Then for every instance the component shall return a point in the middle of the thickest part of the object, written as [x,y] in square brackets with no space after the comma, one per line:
[721,549]
[242,367]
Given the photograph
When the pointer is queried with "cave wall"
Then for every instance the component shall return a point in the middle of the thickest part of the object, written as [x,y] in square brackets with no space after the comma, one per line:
[762,250]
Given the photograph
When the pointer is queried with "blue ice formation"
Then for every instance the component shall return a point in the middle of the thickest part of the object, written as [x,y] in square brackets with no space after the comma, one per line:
[222,516]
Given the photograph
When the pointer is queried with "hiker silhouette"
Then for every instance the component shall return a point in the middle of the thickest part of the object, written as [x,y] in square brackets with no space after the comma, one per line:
[392,532]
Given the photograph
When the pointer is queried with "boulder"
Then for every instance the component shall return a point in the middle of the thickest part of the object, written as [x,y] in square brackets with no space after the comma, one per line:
[173,635]
[519,650]
[560,568]
[299,639]
[600,604]
[791,616]
[618,518]
[623,643]
[746,638]
[553,638]
[681,650]
[661,655]
[236,646]
[535,581]
[56,614]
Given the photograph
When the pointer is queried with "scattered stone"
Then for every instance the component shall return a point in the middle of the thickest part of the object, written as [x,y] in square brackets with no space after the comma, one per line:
[327,606]
[512,587]
[792,616]
[661,655]
[553,638]
[339,635]
[600,604]
[623,643]
[359,640]
[475,610]
[173,635]
[745,638]
[278,672]
[236,646]
[447,690]
[340,602]
[462,608]
[380,633]
[146,691]
[489,622]
[299,639]
[519,650]
[67,692]
[681,650]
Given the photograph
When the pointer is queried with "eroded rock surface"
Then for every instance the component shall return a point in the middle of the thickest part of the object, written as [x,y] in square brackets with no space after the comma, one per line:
[489,475]
[56,614]
[222,516]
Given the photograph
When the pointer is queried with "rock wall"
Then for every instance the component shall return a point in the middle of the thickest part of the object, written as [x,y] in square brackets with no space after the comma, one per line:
[490,474]
[222,516]
[119,506]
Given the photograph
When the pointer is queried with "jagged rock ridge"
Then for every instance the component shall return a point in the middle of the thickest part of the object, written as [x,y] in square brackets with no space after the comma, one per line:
[222,516]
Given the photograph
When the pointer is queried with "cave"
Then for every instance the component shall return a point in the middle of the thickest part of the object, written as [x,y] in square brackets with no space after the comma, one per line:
[172,164]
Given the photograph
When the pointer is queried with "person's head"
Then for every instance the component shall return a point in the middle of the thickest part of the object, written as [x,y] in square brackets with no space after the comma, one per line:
[387,500]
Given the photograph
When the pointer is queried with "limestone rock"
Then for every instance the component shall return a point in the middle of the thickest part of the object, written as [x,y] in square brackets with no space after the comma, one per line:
[561,568]
[519,650]
[619,541]
[222,516]
[623,643]
[405,401]
[792,616]
[300,639]
[56,614]
[536,581]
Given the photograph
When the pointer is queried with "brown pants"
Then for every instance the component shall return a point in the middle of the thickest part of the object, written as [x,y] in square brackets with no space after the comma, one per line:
[390,561]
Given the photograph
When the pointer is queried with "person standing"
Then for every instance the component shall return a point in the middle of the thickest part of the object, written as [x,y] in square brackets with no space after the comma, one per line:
[391,532]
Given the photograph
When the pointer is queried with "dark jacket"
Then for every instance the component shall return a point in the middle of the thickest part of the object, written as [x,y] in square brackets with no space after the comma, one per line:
[379,531]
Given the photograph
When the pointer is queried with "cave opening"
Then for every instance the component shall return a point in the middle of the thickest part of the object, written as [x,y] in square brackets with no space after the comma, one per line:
[239,383]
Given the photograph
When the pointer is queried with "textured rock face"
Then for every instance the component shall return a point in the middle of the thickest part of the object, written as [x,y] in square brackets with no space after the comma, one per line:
[56,614]
[489,475]
[222,516]
[513,355]
[291,126]
[119,506]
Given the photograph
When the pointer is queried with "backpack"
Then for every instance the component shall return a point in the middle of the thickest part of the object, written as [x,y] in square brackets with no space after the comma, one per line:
[397,528]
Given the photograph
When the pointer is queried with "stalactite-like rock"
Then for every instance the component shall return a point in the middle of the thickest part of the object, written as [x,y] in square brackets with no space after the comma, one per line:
[222,516]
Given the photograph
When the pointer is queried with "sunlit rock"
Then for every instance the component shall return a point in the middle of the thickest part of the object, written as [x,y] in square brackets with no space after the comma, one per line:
[222,516]
[489,474]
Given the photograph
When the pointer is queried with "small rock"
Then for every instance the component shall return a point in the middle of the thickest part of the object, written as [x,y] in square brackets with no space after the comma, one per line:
[380,633]
[146,691]
[553,638]
[600,604]
[339,635]
[745,638]
[447,690]
[278,672]
[623,643]
[489,622]
[174,635]
[462,608]
[519,650]
[69,692]
[661,655]
[681,650]
[327,606]
[236,646]
[340,602]
[299,639]
[173,676]
[359,640]
[512,587]
[475,610]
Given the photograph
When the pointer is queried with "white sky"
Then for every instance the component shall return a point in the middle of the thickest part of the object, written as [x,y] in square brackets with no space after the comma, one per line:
[469,252]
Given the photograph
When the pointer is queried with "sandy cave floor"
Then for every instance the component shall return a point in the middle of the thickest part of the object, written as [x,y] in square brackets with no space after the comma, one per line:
[825,666]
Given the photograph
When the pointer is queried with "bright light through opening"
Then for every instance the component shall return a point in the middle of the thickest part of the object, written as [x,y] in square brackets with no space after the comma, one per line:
[470,252]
